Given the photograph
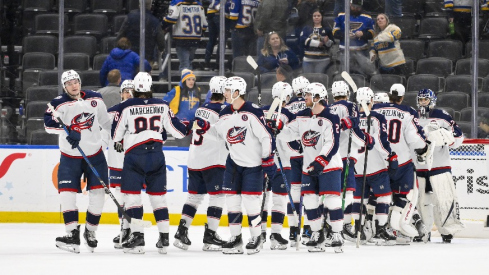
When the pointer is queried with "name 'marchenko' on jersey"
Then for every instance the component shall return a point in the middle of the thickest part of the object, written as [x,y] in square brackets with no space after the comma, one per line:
[147,110]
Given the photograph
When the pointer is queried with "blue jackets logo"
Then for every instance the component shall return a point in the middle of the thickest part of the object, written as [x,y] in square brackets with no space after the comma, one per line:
[83,121]
[310,138]
[236,135]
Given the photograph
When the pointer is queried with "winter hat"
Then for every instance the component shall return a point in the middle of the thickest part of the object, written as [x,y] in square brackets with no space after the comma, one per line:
[186,74]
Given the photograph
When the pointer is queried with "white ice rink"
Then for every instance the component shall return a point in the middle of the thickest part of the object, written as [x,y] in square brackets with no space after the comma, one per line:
[30,249]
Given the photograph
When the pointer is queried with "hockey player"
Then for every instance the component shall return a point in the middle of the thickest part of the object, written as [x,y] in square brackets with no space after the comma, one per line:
[115,161]
[138,133]
[242,126]
[381,163]
[205,174]
[404,134]
[437,197]
[319,130]
[84,113]
[381,97]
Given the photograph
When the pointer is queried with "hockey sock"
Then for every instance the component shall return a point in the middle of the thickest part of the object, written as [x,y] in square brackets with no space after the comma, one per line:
[96,200]
[382,209]
[235,216]
[333,204]
[252,204]
[278,213]
[160,211]
[214,211]
[70,211]
[134,208]
[312,211]
[190,207]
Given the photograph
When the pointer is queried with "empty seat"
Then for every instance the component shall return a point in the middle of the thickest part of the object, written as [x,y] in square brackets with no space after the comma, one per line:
[407,24]
[75,6]
[48,24]
[40,93]
[410,67]
[410,99]
[483,44]
[80,44]
[49,78]
[424,81]
[466,113]
[107,6]
[317,77]
[118,20]
[99,60]
[359,80]
[107,44]
[328,21]
[90,78]
[267,80]
[383,82]
[91,24]
[483,99]
[38,61]
[37,5]
[41,137]
[485,84]
[411,8]
[36,109]
[40,43]
[464,67]
[449,110]
[248,77]
[434,8]
[433,28]
[413,49]
[460,83]
[451,49]
[131,5]
[76,61]
[438,66]
[266,96]
[32,125]
[240,64]
[454,100]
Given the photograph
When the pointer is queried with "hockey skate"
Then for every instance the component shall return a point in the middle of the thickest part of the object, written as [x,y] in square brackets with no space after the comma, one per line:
[363,237]
[254,245]
[384,236]
[278,242]
[212,241]
[306,234]
[264,236]
[118,241]
[234,246]
[348,233]
[70,242]
[315,243]
[90,239]
[181,237]
[422,230]
[401,239]
[337,242]
[294,235]
[327,234]
[163,242]
[135,244]
[447,238]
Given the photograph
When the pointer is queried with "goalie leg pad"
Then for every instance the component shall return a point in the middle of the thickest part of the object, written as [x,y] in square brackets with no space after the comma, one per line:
[425,203]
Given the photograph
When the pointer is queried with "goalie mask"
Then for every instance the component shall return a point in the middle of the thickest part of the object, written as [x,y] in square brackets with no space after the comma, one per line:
[340,88]
[143,82]
[216,85]
[365,95]
[280,87]
[299,84]
[428,94]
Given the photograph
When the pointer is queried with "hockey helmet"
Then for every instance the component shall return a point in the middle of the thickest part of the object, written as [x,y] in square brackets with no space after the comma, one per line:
[299,84]
[216,84]
[236,83]
[399,88]
[282,86]
[381,98]
[426,93]
[340,88]
[127,84]
[365,95]
[317,89]
[143,82]
[69,75]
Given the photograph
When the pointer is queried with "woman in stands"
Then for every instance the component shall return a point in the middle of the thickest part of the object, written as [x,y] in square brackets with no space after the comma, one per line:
[274,53]
[316,42]
[386,47]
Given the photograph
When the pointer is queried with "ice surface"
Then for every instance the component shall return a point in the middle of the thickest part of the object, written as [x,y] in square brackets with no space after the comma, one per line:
[30,249]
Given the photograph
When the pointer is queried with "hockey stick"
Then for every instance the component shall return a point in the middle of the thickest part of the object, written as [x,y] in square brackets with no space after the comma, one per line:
[131,220]
[360,226]
[253,64]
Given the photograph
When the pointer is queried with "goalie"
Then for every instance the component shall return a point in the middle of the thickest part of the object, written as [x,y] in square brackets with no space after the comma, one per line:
[437,197]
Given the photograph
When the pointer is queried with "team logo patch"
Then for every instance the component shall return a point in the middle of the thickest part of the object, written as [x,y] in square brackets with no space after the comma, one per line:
[94,103]
[310,138]
[83,121]
[244,117]
[320,122]
[236,135]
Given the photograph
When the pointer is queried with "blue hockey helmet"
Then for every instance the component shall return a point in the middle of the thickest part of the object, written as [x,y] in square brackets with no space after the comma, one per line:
[429,94]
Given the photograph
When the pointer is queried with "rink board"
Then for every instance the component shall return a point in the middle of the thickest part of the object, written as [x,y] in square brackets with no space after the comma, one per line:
[28,185]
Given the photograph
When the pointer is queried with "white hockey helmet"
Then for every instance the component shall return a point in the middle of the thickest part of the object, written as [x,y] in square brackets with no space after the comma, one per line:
[216,84]
[340,88]
[282,86]
[399,88]
[127,84]
[299,84]
[317,89]
[236,83]
[365,94]
[381,98]
[143,82]
[69,75]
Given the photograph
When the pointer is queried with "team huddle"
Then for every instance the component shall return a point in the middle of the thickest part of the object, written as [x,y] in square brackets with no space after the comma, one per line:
[370,170]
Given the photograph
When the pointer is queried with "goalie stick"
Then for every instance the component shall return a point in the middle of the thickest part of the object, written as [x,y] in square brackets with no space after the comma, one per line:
[253,64]
[131,220]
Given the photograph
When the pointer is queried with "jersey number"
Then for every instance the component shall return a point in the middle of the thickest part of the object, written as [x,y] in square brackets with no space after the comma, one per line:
[193,25]
[248,15]
[199,140]
[394,131]
[142,123]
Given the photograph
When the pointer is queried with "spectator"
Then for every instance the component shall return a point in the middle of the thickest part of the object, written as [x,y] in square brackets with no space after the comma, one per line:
[240,21]
[184,99]
[460,14]
[386,47]
[316,42]
[393,8]
[339,7]
[305,9]
[270,16]
[123,59]
[274,53]
[213,20]
[154,35]
[189,23]
[483,130]
[285,73]
[361,30]
[111,93]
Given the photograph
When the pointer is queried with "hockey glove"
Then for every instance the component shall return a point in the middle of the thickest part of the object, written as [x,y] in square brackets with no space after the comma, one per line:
[268,165]
[119,146]
[349,122]
[369,141]
[274,126]
[188,127]
[316,167]
[74,136]
[203,125]
[393,164]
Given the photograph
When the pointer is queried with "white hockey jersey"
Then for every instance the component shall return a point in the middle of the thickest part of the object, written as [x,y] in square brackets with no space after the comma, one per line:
[245,133]
[403,130]
[205,153]
[441,154]
[319,135]
[145,119]
[188,18]
[296,105]
[89,114]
